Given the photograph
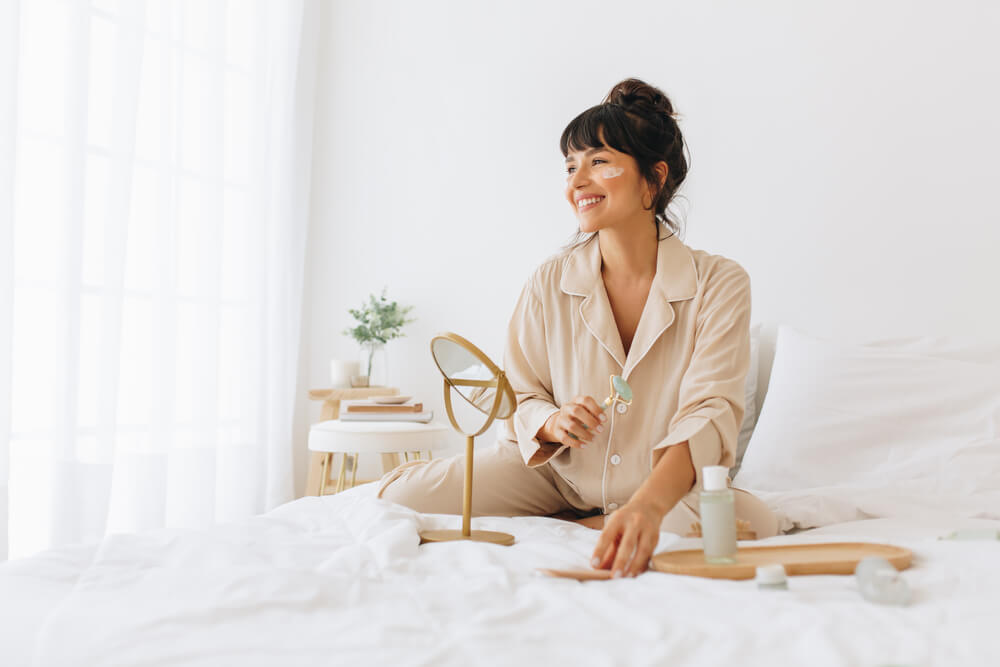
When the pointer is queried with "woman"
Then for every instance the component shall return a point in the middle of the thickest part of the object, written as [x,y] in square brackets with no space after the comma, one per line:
[629,299]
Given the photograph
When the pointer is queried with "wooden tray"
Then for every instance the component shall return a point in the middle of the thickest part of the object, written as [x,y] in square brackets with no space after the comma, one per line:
[579,575]
[824,558]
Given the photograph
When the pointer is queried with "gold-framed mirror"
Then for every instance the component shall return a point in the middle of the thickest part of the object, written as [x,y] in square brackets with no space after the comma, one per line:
[471,373]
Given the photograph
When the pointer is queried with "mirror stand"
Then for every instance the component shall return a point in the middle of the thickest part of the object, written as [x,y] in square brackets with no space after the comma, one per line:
[466,533]
[464,365]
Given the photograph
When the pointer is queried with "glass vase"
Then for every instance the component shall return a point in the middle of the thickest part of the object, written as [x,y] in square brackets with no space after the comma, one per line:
[373,364]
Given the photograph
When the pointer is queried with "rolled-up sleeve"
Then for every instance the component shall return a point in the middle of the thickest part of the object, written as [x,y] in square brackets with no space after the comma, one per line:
[711,399]
[526,365]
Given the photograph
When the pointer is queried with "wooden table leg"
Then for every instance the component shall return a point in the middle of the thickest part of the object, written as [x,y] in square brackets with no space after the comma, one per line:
[315,468]
[341,478]
[324,471]
[330,409]
[354,470]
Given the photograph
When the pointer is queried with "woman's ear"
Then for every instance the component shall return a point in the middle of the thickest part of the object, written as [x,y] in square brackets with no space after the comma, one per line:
[661,171]
[661,175]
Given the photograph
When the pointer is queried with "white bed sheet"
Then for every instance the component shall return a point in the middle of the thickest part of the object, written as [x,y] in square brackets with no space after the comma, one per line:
[342,580]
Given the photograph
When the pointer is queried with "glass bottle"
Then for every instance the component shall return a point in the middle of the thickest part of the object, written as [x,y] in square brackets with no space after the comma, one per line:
[718,516]
[373,363]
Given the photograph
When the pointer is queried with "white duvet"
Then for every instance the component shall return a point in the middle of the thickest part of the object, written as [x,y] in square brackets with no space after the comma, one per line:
[343,580]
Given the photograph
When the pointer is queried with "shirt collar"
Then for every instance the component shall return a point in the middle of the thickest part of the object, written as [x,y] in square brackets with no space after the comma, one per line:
[675,280]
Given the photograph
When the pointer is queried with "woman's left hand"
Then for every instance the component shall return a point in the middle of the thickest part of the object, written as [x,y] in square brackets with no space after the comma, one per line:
[629,537]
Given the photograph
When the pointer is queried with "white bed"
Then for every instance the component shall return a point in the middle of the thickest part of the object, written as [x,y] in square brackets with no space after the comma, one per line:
[343,580]
[908,431]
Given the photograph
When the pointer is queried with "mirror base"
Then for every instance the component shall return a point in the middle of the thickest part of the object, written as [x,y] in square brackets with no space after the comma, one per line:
[504,539]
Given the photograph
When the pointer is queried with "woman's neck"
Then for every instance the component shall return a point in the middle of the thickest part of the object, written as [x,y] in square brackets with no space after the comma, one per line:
[628,253]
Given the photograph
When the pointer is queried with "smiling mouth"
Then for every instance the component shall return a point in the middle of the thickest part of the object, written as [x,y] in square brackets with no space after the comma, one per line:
[587,207]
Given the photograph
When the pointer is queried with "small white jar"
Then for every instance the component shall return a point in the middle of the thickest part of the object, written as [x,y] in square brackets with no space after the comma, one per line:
[772,577]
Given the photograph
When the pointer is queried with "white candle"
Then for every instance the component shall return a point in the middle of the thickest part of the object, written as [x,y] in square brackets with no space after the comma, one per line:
[341,372]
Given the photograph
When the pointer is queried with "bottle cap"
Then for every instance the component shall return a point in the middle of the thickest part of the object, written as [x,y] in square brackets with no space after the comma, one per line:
[714,477]
[771,574]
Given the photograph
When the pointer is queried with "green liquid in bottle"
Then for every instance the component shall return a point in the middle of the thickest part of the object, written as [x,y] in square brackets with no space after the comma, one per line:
[718,526]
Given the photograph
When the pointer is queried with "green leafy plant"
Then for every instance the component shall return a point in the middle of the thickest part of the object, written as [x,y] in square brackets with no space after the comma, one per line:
[379,321]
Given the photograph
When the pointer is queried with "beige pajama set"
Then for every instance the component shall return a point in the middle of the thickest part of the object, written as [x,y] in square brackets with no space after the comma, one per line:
[687,367]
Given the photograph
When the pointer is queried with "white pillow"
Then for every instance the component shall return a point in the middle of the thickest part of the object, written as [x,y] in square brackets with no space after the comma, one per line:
[959,348]
[751,403]
[850,431]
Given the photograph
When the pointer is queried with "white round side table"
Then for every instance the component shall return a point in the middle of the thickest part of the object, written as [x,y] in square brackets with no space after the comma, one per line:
[388,438]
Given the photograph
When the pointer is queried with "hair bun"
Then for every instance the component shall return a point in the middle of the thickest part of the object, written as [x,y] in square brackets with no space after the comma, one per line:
[637,95]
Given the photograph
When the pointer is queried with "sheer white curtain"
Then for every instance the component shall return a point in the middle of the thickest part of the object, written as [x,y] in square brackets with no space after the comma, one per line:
[154,178]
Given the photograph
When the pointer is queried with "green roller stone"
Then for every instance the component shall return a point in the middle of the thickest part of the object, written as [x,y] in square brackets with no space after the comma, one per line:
[621,387]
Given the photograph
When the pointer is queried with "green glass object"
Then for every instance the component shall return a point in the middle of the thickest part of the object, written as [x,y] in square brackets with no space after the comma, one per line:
[620,392]
[621,386]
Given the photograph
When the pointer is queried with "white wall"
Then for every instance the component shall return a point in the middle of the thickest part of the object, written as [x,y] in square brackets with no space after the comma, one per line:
[845,153]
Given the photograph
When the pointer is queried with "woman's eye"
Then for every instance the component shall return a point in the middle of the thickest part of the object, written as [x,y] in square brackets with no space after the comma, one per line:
[596,160]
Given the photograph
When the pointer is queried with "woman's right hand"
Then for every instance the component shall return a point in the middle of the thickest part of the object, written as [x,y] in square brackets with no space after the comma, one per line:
[575,423]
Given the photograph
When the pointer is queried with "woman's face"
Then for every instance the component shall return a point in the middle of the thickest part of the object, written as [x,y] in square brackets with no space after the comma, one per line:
[612,179]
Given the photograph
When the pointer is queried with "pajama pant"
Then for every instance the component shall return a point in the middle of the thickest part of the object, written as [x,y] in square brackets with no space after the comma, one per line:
[502,485]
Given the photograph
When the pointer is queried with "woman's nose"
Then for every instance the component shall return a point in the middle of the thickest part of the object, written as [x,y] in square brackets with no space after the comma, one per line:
[578,177]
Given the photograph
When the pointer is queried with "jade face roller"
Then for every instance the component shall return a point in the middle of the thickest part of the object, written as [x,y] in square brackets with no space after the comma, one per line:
[620,393]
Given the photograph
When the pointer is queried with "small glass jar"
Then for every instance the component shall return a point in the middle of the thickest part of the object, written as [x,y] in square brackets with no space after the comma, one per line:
[373,364]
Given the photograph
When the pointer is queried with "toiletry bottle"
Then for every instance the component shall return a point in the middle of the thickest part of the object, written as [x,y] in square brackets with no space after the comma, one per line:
[718,516]
[880,582]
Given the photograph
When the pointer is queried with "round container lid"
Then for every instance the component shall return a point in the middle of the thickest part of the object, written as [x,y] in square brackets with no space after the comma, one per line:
[771,574]
[714,477]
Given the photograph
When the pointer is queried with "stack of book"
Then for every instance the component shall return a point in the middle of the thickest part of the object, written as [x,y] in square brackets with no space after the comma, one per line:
[368,410]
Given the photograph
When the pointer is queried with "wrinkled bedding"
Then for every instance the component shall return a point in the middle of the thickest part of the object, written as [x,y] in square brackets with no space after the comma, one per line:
[343,580]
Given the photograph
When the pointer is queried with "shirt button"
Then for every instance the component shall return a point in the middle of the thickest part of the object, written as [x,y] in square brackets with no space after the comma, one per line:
[615,459]
[622,408]
[612,506]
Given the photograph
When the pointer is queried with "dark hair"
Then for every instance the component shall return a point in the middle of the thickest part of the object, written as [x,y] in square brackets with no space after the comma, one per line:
[638,119]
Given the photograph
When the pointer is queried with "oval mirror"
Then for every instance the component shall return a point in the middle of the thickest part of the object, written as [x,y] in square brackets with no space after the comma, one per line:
[464,365]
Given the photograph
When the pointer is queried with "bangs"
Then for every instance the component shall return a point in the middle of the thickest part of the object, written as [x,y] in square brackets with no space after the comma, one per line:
[584,131]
